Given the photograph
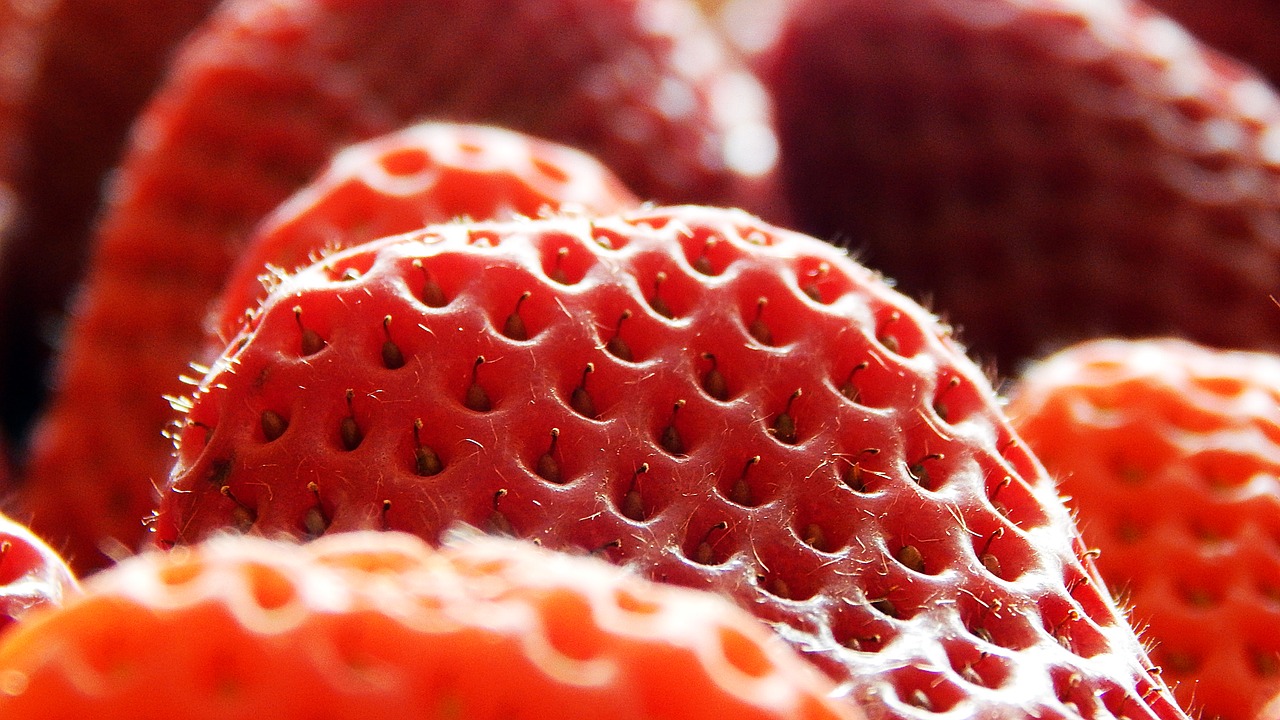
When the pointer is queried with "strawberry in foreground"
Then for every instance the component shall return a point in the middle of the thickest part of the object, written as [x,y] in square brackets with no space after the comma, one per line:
[1170,454]
[32,575]
[1043,170]
[427,173]
[259,98]
[690,392]
[378,625]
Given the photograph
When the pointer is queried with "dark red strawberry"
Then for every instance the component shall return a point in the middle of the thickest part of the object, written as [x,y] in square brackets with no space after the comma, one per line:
[377,625]
[261,97]
[427,173]
[1042,171]
[1170,454]
[87,67]
[693,393]
[32,575]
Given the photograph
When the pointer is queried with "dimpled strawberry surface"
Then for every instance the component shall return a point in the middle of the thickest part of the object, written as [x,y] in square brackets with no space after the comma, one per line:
[711,400]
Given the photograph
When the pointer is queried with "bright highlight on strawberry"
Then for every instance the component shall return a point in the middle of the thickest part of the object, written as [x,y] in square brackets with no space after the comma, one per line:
[379,625]
[714,401]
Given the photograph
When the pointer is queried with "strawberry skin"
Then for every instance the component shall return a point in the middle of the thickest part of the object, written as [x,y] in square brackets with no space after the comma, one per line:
[424,174]
[1243,29]
[1021,163]
[255,103]
[32,574]
[378,625]
[1170,454]
[690,392]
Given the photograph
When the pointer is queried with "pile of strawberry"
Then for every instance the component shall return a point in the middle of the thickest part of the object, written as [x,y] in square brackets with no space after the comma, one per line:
[480,359]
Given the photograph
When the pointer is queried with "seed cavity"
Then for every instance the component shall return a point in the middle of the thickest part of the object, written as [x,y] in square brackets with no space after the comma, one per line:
[656,302]
[557,272]
[988,558]
[704,554]
[855,476]
[392,356]
[514,326]
[713,382]
[784,426]
[476,398]
[616,345]
[741,492]
[939,402]
[432,294]
[758,329]
[670,439]
[349,430]
[425,460]
[580,400]
[815,537]
[632,503]
[702,263]
[547,467]
[910,557]
[848,389]
[315,522]
[273,425]
[919,471]
[498,524]
[310,341]
[243,517]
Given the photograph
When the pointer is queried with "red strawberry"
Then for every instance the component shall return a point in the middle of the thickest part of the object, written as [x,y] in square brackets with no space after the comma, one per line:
[260,98]
[32,575]
[86,68]
[377,625]
[1170,453]
[711,400]
[1043,170]
[427,173]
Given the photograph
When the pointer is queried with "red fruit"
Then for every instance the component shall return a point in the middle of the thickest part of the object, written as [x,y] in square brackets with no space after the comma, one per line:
[690,392]
[377,625]
[1244,29]
[32,575]
[80,71]
[260,98]
[424,174]
[1170,455]
[1043,171]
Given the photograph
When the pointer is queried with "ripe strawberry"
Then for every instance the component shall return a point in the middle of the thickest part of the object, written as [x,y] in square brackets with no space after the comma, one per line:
[85,68]
[255,104]
[690,392]
[1044,170]
[427,173]
[32,575]
[1170,454]
[377,625]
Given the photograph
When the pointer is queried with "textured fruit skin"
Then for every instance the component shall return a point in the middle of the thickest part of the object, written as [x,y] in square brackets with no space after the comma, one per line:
[379,625]
[255,103]
[881,516]
[32,575]
[87,67]
[1019,164]
[1170,454]
[424,174]
[1243,29]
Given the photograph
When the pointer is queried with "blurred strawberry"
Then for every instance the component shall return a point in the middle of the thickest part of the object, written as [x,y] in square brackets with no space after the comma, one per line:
[261,97]
[32,575]
[1041,171]
[1245,29]
[1170,455]
[377,625]
[86,67]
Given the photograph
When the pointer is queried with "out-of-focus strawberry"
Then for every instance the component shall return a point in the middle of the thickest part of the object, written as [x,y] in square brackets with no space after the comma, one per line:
[260,98]
[714,401]
[427,173]
[1170,455]
[32,575]
[378,625]
[1245,29]
[1043,171]
[79,71]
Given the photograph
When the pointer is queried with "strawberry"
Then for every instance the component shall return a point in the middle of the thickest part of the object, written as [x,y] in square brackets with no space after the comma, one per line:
[424,174]
[32,575]
[714,401]
[1023,163]
[1170,453]
[260,98]
[363,625]
[86,68]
